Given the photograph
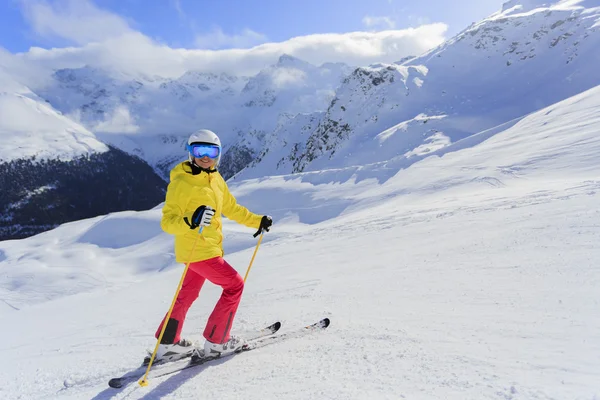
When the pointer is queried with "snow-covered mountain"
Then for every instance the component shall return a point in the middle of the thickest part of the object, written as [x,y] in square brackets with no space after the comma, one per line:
[140,115]
[86,117]
[471,274]
[31,127]
[53,170]
[151,105]
[275,95]
[525,57]
[294,116]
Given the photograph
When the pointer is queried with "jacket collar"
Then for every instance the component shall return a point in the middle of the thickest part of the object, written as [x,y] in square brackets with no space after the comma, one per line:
[195,170]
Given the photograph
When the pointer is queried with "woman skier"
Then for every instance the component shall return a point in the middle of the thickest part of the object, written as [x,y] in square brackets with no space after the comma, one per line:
[196,197]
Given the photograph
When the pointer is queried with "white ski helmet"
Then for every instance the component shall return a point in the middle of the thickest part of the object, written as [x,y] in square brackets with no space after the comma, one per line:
[208,137]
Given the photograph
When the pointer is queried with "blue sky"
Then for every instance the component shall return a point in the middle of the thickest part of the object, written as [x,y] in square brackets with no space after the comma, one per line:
[243,23]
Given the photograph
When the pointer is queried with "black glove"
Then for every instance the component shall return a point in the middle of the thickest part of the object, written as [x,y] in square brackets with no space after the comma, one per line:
[265,224]
[201,217]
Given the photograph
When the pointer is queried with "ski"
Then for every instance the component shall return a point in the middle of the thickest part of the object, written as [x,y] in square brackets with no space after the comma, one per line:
[140,371]
[269,330]
[264,341]
[196,361]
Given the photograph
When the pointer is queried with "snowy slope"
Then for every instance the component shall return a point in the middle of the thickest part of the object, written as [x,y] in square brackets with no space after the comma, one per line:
[521,59]
[30,127]
[470,274]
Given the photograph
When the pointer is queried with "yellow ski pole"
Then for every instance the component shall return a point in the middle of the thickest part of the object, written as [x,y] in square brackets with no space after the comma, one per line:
[254,255]
[144,380]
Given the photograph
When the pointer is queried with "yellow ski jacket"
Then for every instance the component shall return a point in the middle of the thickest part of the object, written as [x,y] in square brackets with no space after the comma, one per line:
[185,193]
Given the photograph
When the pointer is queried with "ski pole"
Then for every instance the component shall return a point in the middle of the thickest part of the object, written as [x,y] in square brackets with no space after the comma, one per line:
[254,255]
[144,380]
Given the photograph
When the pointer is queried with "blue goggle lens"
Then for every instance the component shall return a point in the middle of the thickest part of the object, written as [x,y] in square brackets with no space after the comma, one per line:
[201,150]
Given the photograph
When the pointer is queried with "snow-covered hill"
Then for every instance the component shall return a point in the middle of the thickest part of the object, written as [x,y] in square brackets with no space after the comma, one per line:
[521,59]
[53,170]
[470,274]
[31,127]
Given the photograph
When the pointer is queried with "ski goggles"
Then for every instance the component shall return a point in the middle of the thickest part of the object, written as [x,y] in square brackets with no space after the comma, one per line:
[199,150]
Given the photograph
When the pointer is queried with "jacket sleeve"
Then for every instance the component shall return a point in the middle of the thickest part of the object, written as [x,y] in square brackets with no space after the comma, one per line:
[173,211]
[238,213]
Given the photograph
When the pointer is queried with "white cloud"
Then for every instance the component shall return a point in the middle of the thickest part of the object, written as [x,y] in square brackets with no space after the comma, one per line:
[120,121]
[106,41]
[134,53]
[20,70]
[287,77]
[217,39]
[378,22]
[78,21]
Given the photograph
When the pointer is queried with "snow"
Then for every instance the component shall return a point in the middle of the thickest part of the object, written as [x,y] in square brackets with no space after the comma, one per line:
[30,127]
[524,58]
[528,7]
[469,272]
[151,117]
[449,231]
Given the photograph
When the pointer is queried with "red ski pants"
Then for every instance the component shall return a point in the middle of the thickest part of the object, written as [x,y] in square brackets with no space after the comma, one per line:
[219,272]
